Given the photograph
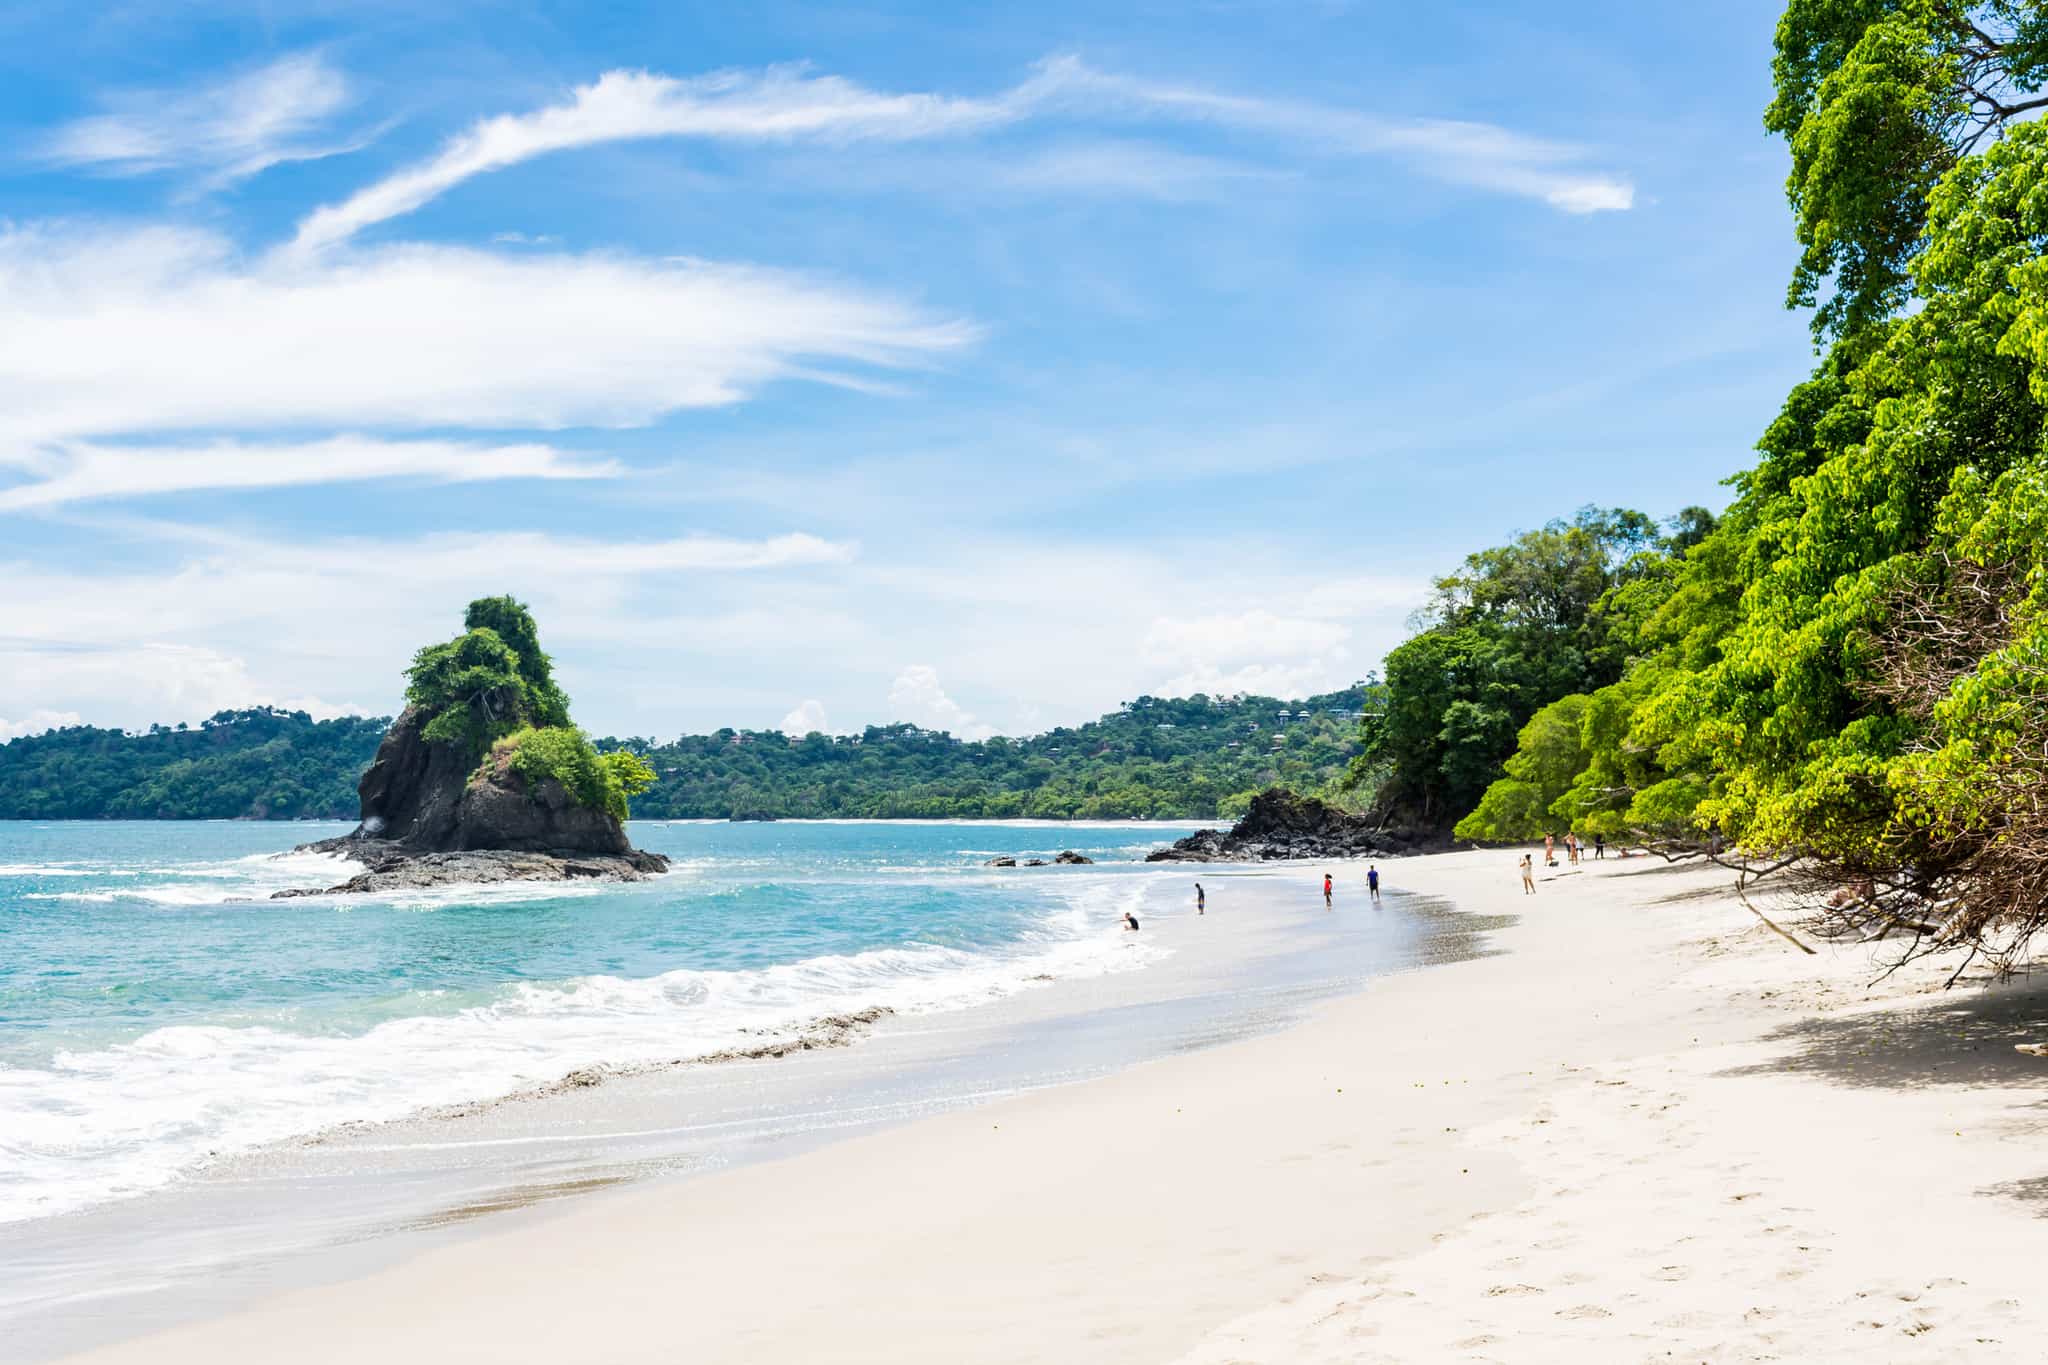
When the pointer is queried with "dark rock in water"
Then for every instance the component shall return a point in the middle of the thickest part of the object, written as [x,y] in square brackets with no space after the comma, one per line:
[395,868]
[1281,825]
[1068,858]
[500,809]
[430,818]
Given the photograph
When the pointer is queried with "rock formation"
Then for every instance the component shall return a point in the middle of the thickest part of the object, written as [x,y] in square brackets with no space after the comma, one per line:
[1067,858]
[1280,824]
[434,812]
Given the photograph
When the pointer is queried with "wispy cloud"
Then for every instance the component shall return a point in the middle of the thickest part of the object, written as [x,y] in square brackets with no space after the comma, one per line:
[228,131]
[84,472]
[114,334]
[787,105]
[779,104]
[1481,155]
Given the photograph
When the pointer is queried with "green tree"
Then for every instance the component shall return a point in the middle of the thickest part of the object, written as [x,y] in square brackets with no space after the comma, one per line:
[1878,99]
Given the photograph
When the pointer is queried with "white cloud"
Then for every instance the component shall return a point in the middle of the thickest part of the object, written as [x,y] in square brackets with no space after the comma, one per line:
[1480,155]
[36,722]
[807,718]
[238,622]
[146,331]
[916,696]
[141,683]
[780,104]
[231,130]
[1257,633]
[783,105]
[1250,651]
[76,473]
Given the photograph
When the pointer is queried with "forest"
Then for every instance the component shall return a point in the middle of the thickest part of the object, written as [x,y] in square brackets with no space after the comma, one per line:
[1846,672]
[1187,758]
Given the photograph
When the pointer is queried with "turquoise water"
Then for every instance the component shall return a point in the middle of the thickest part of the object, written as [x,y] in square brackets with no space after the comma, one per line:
[158,1012]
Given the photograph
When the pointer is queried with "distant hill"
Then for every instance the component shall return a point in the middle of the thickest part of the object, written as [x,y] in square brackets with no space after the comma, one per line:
[255,764]
[1181,758]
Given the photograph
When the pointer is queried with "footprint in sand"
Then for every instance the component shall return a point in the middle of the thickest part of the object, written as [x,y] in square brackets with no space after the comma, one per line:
[1671,1272]
[1584,1311]
[1502,1291]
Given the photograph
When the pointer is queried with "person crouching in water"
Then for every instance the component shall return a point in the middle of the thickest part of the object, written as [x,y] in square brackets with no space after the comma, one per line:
[1130,922]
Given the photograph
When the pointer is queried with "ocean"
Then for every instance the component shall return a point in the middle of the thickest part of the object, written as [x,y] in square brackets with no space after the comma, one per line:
[157,1011]
[205,1092]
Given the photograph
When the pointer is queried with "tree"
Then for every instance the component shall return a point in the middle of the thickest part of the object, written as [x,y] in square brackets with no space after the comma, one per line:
[487,682]
[1515,628]
[1878,99]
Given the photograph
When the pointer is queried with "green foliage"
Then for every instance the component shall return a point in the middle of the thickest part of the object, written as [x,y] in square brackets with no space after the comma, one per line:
[487,682]
[1878,99]
[256,764]
[1207,764]
[1550,753]
[1554,612]
[565,754]
[1156,758]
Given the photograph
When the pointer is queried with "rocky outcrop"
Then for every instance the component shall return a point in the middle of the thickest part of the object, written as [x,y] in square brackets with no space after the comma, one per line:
[1280,825]
[1068,858]
[392,867]
[430,817]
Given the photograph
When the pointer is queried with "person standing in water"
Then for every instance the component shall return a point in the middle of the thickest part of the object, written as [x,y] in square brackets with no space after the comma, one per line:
[1528,866]
[1201,901]
[1327,885]
[1372,880]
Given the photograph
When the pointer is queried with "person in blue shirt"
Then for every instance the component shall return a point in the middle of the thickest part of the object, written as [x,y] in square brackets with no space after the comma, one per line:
[1372,881]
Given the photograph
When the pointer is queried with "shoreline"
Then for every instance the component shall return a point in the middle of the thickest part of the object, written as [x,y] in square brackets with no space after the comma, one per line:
[346,1198]
[1636,1125]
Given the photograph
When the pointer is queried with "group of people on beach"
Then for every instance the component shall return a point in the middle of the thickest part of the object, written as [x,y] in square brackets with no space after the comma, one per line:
[1574,850]
[1372,887]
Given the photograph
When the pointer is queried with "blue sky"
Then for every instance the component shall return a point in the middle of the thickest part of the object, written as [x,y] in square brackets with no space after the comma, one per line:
[836,364]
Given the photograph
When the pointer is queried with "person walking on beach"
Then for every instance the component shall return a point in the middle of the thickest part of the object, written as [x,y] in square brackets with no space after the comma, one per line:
[1201,901]
[1372,880]
[1599,845]
[1327,886]
[1550,850]
[1571,846]
[1528,866]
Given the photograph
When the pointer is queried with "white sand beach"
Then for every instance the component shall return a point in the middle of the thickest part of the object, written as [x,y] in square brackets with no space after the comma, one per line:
[1645,1128]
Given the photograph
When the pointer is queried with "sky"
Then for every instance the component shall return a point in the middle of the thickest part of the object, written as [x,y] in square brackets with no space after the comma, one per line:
[823,365]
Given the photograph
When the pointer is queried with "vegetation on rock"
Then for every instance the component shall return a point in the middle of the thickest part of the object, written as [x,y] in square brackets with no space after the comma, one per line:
[488,681]
[602,781]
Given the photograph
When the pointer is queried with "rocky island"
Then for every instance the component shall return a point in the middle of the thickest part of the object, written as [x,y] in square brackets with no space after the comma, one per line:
[1280,824]
[483,778]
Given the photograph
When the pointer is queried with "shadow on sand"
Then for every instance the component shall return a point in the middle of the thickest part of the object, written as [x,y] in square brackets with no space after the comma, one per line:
[1966,1038]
